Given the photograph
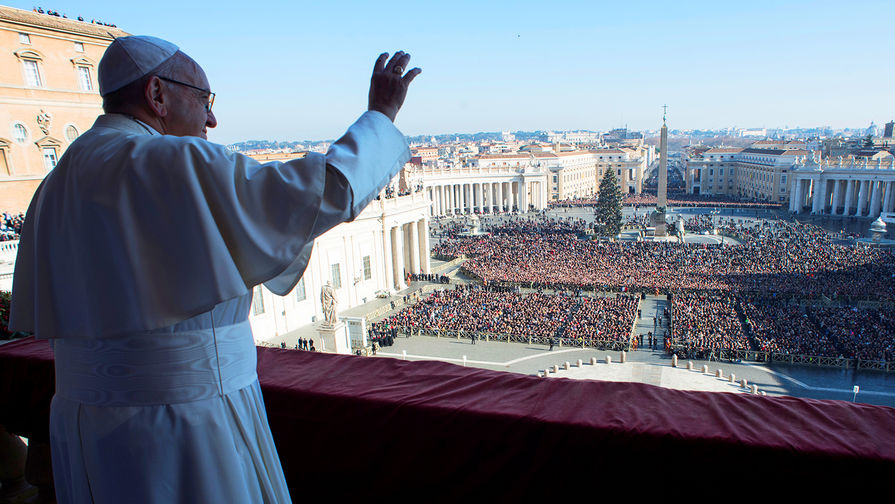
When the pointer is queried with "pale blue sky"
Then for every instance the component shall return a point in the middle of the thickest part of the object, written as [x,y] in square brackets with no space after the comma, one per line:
[300,70]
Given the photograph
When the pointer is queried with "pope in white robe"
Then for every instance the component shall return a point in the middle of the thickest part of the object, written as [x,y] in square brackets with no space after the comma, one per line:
[138,258]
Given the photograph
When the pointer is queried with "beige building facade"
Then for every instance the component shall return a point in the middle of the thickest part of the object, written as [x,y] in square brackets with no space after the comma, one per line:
[48,95]
[761,174]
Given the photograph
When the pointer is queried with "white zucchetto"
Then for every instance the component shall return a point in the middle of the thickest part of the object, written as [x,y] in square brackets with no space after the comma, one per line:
[129,58]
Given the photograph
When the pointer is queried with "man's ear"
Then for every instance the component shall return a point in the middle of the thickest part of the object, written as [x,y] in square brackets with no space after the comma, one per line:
[155,96]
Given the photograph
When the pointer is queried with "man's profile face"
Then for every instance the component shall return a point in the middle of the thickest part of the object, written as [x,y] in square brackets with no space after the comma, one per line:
[188,114]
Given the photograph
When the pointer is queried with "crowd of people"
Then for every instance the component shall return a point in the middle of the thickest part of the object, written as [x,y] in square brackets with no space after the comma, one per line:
[787,329]
[481,310]
[702,324]
[11,226]
[858,333]
[779,258]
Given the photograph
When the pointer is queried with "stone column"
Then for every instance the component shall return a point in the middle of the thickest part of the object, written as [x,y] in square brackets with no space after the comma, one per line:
[890,197]
[425,264]
[461,194]
[387,257]
[817,202]
[398,256]
[446,199]
[466,206]
[470,197]
[875,198]
[837,184]
[414,248]
[481,186]
[795,205]
[500,203]
[474,199]
[862,199]
[511,195]
[849,197]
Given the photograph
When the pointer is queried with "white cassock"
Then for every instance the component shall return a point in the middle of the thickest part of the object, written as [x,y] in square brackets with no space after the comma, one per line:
[137,258]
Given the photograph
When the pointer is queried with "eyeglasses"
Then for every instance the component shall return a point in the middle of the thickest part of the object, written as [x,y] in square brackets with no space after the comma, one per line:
[210,94]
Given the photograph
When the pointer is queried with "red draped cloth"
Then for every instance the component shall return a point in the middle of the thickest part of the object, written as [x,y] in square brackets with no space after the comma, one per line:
[358,427]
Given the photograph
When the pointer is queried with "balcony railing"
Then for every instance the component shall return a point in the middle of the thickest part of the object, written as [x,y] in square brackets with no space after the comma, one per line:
[350,427]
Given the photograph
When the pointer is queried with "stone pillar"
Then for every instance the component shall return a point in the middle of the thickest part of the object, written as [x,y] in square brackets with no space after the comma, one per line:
[414,248]
[387,257]
[849,197]
[398,256]
[467,198]
[448,208]
[890,197]
[512,195]
[425,264]
[837,184]
[817,199]
[481,197]
[795,198]
[862,199]
[475,196]
[500,202]
[459,204]
[875,199]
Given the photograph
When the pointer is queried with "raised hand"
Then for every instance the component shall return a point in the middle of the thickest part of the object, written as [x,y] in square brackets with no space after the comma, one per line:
[388,86]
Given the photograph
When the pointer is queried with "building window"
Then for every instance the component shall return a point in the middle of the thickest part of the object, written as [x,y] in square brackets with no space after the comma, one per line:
[4,164]
[368,268]
[32,73]
[71,132]
[84,79]
[257,301]
[79,46]
[300,294]
[19,133]
[337,276]
[49,155]
[24,38]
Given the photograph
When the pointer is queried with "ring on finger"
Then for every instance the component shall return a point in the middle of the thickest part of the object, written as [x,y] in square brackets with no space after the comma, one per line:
[398,69]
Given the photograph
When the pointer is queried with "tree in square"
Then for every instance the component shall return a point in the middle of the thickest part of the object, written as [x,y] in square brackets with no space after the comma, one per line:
[609,206]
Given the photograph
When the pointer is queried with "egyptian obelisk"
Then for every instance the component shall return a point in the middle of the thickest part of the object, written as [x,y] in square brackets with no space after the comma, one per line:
[662,202]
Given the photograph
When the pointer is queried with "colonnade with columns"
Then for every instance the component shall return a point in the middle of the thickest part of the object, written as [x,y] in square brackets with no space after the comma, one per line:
[406,250]
[462,197]
[848,195]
